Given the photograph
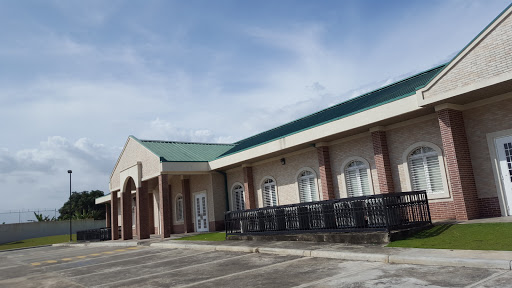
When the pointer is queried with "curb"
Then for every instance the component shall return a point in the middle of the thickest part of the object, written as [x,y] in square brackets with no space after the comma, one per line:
[341,255]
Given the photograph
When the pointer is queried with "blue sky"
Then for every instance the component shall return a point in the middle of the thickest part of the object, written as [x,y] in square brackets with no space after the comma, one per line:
[78,77]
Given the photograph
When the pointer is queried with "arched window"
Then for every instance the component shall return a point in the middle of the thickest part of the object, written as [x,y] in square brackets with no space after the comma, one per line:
[425,170]
[179,208]
[307,186]
[238,198]
[269,192]
[356,179]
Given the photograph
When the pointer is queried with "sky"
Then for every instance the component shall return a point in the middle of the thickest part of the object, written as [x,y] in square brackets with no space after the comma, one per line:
[78,77]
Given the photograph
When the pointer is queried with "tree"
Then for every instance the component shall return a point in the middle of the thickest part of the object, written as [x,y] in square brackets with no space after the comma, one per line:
[41,218]
[81,206]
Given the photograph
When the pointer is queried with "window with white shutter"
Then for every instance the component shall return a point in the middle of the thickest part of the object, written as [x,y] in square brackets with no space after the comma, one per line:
[356,179]
[269,193]
[179,208]
[307,187]
[425,170]
[238,198]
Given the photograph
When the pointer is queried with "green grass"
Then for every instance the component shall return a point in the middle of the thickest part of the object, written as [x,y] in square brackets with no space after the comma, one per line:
[488,236]
[216,236]
[37,242]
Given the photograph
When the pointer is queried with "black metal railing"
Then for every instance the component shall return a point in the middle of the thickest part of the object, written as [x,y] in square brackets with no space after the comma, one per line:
[100,234]
[384,212]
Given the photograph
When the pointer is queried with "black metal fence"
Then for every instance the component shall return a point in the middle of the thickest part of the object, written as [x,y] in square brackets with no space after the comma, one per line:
[384,212]
[100,234]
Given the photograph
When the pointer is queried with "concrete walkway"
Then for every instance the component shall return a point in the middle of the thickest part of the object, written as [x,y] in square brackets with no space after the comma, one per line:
[371,253]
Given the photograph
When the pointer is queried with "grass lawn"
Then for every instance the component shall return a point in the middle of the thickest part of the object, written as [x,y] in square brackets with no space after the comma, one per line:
[488,236]
[37,242]
[216,236]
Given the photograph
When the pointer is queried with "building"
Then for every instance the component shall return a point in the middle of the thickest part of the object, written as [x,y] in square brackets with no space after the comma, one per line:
[447,130]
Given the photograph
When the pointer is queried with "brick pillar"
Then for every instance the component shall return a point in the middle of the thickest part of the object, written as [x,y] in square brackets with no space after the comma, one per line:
[142,211]
[126,213]
[381,156]
[165,209]
[187,205]
[458,161]
[107,215]
[114,206]
[249,193]
[151,206]
[324,165]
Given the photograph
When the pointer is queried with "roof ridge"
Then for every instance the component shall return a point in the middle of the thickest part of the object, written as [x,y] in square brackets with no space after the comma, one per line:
[350,100]
[184,142]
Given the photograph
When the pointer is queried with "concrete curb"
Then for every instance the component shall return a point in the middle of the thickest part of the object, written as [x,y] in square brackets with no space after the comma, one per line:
[97,244]
[342,255]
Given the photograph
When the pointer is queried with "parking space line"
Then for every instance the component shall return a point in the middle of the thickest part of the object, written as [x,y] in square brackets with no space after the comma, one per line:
[341,275]
[35,264]
[126,267]
[495,275]
[245,271]
[168,271]
[84,256]
[122,260]
[51,261]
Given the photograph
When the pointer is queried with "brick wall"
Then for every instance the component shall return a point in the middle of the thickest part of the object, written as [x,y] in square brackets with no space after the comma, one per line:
[382,163]
[489,207]
[442,210]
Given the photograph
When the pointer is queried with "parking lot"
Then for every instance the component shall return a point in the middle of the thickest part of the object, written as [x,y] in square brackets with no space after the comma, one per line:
[151,267]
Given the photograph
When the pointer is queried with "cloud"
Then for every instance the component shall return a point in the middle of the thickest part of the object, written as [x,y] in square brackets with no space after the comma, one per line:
[163,130]
[39,174]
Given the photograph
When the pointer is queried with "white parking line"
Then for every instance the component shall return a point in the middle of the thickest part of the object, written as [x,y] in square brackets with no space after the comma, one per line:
[341,275]
[495,275]
[125,267]
[172,270]
[243,272]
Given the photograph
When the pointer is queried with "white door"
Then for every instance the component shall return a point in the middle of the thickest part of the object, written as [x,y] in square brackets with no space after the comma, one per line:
[504,151]
[201,212]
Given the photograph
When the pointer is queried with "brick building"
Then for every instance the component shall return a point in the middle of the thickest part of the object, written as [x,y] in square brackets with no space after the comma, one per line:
[447,130]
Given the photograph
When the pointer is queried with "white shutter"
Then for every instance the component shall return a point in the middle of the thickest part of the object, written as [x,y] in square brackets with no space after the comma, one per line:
[307,187]
[269,193]
[356,178]
[425,170]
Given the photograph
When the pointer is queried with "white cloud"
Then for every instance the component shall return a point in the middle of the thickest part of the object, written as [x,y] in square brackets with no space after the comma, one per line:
[163,130]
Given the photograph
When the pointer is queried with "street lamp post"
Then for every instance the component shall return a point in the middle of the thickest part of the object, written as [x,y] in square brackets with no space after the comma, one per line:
[70,216]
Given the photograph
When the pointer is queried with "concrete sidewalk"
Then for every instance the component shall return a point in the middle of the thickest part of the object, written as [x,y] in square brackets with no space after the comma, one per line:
[371,253]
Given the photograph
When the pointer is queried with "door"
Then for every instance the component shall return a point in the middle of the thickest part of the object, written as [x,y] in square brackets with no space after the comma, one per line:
[504,151]
[201,212]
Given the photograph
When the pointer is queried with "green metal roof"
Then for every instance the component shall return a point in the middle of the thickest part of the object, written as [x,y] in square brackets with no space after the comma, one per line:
[395,91]
[172,151]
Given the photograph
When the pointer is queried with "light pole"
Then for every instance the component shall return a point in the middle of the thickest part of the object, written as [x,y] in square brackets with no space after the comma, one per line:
[70,216]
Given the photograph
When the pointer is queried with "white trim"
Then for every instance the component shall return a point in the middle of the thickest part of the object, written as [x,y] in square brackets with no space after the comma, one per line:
[231,196]
[343,184]
[442,166]
[297,175]
[491,144]
[176,210]
[260,190]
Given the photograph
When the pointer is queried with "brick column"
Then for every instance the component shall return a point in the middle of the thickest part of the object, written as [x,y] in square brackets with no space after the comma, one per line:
[151,206]
[382,162]
[126,213]
[324,165]
[249,193]
[458,162]
[142,211]
[165,209]
[107,215]
[187,205]
[114,218]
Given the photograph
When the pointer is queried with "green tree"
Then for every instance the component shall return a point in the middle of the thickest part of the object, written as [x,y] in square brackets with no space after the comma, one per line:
[81,206]
[41,218]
